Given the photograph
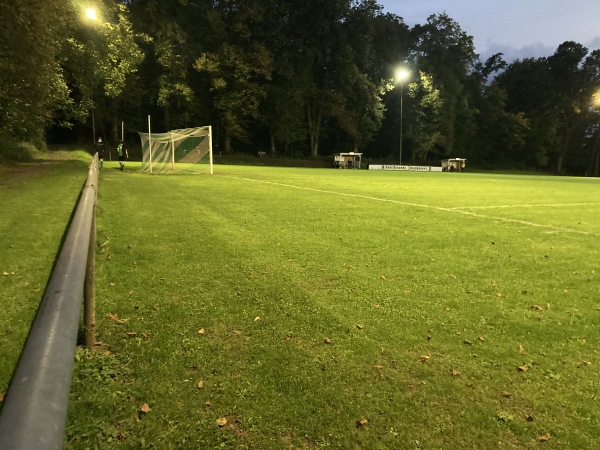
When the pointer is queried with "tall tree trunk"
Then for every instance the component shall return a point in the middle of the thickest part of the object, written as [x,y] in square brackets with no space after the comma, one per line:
[314,126]
[272,145]
[227,145]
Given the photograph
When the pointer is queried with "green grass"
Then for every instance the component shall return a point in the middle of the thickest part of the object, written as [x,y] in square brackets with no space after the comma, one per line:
[321,292]
[36,202]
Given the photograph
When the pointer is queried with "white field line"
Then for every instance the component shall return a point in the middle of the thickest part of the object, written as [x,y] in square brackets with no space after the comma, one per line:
[418,205]
[537,205]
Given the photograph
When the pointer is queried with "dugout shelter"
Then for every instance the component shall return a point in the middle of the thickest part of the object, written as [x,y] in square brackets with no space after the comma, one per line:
[350,160]
[453,164]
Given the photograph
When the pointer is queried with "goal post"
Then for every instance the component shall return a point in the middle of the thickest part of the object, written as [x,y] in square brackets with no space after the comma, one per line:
[162,151]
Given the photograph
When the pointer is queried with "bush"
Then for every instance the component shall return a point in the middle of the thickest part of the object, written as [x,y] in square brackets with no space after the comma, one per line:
[13,151]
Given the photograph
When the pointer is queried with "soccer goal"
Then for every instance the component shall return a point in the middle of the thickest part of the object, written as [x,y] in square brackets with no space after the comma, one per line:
[161,151]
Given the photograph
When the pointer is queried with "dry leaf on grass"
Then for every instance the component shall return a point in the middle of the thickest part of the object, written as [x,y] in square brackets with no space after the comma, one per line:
[545,438]
[201,331]
[383,277]
[522,368]
[378,366]
[505,394]
[131,333]
[424,359]
[222,421]
[521,348]
[327,341]
[360,326]
[499,294]
[115,318]
[362,422]
[455,372]
[145,409]
[200,384]
[481,338]
[536,307]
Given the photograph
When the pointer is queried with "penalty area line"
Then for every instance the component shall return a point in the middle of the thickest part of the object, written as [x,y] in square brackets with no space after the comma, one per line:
[419,205]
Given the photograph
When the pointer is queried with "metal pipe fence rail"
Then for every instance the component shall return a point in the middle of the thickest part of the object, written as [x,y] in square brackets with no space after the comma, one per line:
[34,412]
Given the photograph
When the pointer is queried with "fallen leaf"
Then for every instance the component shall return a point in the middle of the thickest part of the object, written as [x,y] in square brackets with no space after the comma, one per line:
[521,348]
[536,307]
[257,318]
[359,326]
[327,341]
[383,277]
[453,276]
[467,342]
[522,368]
[362,422]
[547,305]
[378,366]
[200,384]
[207,403]
[376,306]
[201,331]
[481,338]
[130,292]
[455,372]
[505,394]
[545,438]
[131,333]
[115,318]
[499,294]
[586,363]
[222,421]
[145,409]
[424,359]
[447,309]
[5,274]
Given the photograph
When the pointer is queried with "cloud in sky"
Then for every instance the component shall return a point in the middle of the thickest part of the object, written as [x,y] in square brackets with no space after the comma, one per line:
[517,28]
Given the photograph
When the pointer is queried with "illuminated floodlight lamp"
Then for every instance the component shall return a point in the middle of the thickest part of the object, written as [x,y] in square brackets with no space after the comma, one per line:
[90,13]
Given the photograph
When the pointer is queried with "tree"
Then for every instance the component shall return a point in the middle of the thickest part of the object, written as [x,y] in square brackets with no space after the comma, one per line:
[32,83]
[424,123]
[443,50]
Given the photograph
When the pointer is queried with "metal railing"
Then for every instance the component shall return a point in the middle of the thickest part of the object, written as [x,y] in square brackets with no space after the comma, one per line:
[34,411]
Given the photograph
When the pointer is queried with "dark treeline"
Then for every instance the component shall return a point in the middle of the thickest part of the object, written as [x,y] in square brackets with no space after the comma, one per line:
[293,78]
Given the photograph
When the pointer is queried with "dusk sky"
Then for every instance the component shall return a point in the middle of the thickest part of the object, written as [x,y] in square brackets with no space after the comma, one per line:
[517,28]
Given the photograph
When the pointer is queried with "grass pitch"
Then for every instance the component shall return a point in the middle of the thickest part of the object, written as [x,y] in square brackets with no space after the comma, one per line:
[313,308]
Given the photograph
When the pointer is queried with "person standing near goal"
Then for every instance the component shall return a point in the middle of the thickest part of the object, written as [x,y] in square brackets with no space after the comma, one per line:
[100,150]
[122,152]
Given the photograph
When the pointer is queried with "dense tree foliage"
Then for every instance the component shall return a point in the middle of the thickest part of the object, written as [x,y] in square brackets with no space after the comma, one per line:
[293,78]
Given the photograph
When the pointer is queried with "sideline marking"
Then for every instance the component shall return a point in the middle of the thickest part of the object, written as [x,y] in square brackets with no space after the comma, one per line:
[418,205]
[552,205]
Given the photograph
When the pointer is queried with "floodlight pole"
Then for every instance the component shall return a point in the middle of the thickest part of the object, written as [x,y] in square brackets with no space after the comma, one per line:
[401,75]
[401,118]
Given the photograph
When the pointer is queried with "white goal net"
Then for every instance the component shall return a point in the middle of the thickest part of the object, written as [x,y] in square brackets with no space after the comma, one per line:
[162,151]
